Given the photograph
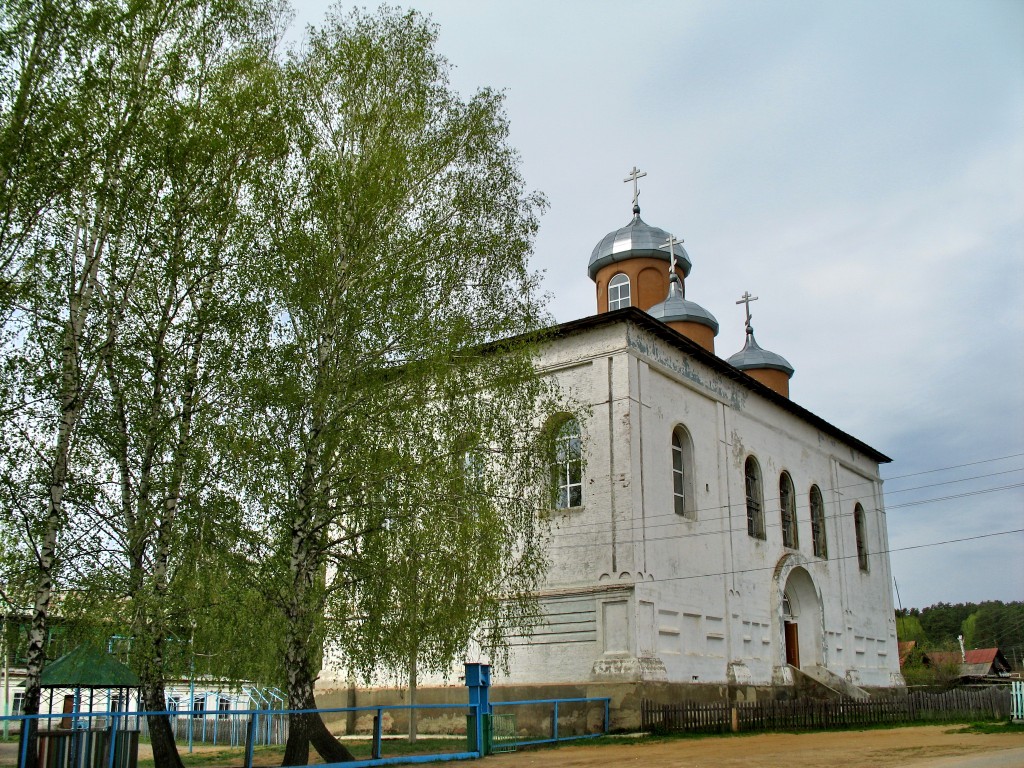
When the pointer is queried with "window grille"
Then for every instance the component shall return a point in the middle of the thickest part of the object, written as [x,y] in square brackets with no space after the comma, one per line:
[860,531]
[787,506]
[818,524]
[755,511]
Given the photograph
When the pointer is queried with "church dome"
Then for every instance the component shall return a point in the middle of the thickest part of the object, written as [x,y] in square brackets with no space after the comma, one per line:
[676,309]
[636,239]
[752,357]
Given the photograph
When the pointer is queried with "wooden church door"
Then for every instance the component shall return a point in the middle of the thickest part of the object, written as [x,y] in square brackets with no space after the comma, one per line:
[792,644]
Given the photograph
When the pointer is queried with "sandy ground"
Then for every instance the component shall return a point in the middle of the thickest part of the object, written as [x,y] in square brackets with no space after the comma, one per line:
[933,746]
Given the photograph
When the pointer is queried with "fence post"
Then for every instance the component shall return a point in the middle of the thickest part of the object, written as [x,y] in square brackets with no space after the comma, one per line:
[250,740]
[377,728]
[113,741]
[26,734]
[478,680]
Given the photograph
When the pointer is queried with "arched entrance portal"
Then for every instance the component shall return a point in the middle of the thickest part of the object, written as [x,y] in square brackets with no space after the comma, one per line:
[802,621]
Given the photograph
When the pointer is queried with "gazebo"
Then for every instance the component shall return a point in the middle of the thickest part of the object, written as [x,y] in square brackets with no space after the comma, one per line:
[84,682]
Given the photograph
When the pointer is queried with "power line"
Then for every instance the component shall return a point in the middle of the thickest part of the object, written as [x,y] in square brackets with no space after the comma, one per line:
[674,519]
[846,557]
[954,466]
[738,529]
[804,495]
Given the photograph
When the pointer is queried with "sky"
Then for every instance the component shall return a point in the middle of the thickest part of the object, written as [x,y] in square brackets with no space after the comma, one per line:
[858,166]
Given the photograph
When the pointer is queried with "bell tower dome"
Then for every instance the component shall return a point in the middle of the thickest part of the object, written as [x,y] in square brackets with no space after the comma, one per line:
[643,266]
[628,265]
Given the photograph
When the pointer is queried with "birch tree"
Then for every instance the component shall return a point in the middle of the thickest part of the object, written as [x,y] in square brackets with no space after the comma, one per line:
[397,242]
[132,203]
[167,375]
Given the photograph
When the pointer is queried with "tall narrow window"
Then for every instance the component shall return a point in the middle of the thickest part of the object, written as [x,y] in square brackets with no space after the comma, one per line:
[618,292]
[861,532]
[818,524]
[787,507]
[755,499]
[473,469]
[682,473]
[567,468]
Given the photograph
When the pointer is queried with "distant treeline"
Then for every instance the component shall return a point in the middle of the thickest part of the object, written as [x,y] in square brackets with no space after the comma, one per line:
[983,625]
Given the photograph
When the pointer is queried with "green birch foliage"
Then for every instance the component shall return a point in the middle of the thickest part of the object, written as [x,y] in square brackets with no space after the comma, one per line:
[164,522]
[397,242]
[143,126]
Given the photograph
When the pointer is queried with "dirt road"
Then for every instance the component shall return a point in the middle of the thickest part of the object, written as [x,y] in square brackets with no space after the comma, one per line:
[933,746]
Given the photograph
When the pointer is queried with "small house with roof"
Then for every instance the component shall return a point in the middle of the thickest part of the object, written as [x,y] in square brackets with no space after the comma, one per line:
[979,662]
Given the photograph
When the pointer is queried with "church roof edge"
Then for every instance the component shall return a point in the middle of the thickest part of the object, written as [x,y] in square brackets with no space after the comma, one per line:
[640,318]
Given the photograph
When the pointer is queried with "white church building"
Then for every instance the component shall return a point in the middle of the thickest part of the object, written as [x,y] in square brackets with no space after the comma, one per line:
[711,537]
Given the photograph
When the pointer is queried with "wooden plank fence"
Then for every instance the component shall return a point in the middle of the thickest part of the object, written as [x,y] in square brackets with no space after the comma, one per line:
[810,714]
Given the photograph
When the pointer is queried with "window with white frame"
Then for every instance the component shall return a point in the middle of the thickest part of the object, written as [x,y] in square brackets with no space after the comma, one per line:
[618,292]
[787,512]
[755,498]
[567,467]
[818,523]
[682,473]
[223,707]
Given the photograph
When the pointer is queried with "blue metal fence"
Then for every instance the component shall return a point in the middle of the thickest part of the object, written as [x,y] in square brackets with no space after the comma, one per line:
[113,745]
[556,736]
[107,740]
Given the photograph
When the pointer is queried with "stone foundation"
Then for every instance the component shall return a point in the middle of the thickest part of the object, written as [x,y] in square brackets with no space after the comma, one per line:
[624,707]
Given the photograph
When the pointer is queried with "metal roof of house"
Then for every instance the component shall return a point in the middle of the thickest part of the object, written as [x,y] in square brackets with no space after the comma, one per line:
[88,667]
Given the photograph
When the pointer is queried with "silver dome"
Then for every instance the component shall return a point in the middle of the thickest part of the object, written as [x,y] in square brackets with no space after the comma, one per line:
[677,309]
[752,356]
[635,239]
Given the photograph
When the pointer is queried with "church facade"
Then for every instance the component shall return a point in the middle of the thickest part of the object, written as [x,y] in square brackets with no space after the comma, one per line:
[707,528]
[709,536]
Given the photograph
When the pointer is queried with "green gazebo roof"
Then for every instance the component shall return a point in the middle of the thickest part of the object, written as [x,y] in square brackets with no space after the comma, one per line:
[88,667]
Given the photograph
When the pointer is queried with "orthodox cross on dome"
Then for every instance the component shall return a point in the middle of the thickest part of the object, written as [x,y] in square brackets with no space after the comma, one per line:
[673,278]
[671,245]
[746,299]
[635,174]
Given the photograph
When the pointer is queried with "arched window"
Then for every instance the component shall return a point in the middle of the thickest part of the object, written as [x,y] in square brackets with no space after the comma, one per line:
[567,466]
[682,473]
[861,532]
[618,292]
[474,480]
[787,507]
[818,524]
[755,499]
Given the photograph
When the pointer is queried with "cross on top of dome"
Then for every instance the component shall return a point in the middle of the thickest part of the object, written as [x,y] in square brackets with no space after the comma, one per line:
[635,175]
